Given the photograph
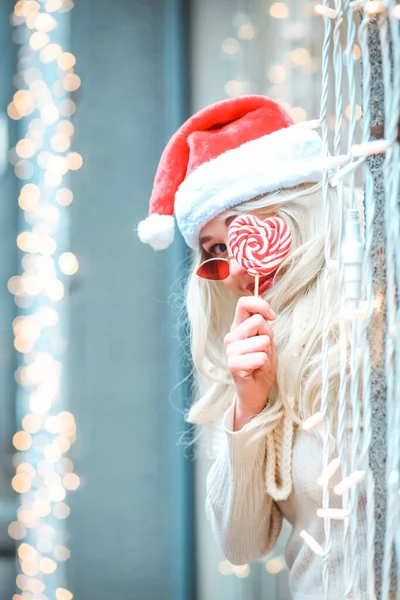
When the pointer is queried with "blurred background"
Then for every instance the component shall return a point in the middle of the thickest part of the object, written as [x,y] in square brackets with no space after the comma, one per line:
[100,495]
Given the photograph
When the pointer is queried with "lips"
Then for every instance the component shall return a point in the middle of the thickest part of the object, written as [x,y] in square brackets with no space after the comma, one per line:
[265,284]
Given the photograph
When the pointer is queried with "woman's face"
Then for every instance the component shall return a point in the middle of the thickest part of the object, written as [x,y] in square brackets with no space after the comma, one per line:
[214,241]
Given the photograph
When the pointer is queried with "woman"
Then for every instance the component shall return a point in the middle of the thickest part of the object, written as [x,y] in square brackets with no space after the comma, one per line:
[263,356]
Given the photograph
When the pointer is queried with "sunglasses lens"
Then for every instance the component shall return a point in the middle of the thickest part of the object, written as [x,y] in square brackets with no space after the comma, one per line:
[215,269]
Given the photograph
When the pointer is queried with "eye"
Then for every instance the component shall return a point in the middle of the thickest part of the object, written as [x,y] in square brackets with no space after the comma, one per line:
[218,250]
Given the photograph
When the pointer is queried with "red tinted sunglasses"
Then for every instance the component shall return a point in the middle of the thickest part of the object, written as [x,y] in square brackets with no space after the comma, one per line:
[214,269]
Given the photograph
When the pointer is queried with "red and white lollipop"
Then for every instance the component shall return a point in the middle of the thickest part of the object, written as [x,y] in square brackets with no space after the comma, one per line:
[259,246]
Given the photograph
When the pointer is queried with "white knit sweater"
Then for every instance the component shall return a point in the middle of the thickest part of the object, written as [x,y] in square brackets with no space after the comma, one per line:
[246,520]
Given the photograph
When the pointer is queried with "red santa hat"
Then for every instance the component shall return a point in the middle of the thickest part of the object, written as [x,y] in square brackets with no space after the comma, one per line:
[225,154]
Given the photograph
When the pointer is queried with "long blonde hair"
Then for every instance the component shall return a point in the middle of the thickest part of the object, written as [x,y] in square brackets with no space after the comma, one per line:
[297,297]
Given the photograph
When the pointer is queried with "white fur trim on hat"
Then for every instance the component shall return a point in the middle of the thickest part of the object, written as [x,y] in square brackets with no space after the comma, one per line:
[157,230]
[282,159]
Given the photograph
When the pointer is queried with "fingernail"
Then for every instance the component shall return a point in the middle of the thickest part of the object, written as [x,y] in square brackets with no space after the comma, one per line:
[272,313]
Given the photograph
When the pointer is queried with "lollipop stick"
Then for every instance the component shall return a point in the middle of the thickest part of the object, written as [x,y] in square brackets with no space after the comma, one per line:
[256,285]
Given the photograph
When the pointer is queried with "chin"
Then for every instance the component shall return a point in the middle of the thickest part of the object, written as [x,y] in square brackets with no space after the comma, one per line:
[240,293]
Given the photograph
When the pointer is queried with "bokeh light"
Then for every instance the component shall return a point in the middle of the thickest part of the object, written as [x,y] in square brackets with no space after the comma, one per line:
[230,46]
[246,31]
[68,263]
[43,473]
[279,10]
[66,61]
[64,197]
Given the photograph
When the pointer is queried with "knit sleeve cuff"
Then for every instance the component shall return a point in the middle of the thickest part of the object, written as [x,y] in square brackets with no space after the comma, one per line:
[241,444]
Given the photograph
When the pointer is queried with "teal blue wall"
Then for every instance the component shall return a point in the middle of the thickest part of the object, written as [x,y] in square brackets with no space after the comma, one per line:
[132,509]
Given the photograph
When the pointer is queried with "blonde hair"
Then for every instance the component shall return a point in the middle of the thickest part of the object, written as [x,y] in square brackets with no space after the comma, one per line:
[297,297]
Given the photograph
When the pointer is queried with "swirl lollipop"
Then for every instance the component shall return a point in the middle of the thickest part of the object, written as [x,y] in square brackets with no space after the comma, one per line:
[259,246]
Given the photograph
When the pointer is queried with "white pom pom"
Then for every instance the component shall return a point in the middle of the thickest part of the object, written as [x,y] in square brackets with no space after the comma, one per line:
[157,230]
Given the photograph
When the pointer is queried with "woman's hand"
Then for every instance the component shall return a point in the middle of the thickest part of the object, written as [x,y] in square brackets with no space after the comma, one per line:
[251,357]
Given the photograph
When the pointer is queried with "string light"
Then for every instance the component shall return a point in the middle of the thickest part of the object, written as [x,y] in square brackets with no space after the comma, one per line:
[374,7]
[312,543]
[42,156]
[313,421]
[370,148]
[346,170]
[328,472]
[348,482]
[325,11]
[356,52]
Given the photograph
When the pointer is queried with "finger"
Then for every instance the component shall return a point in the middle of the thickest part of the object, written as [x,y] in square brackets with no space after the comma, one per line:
[254,325]
[244,366]
[259,343]
[250,305]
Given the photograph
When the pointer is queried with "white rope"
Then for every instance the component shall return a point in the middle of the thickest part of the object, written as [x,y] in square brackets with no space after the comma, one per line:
[354,460]
[338,67]
[342,451]
[355,276]
[353,583]
[367,269]
[327,299]
[391,186]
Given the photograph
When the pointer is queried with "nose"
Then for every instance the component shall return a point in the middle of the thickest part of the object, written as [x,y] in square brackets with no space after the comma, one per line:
[235,270]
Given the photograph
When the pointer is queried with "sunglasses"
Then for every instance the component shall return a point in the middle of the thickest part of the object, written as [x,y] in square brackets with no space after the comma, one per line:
[215,269]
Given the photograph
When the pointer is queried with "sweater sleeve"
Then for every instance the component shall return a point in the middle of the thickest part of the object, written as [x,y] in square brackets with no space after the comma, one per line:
[245,520]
